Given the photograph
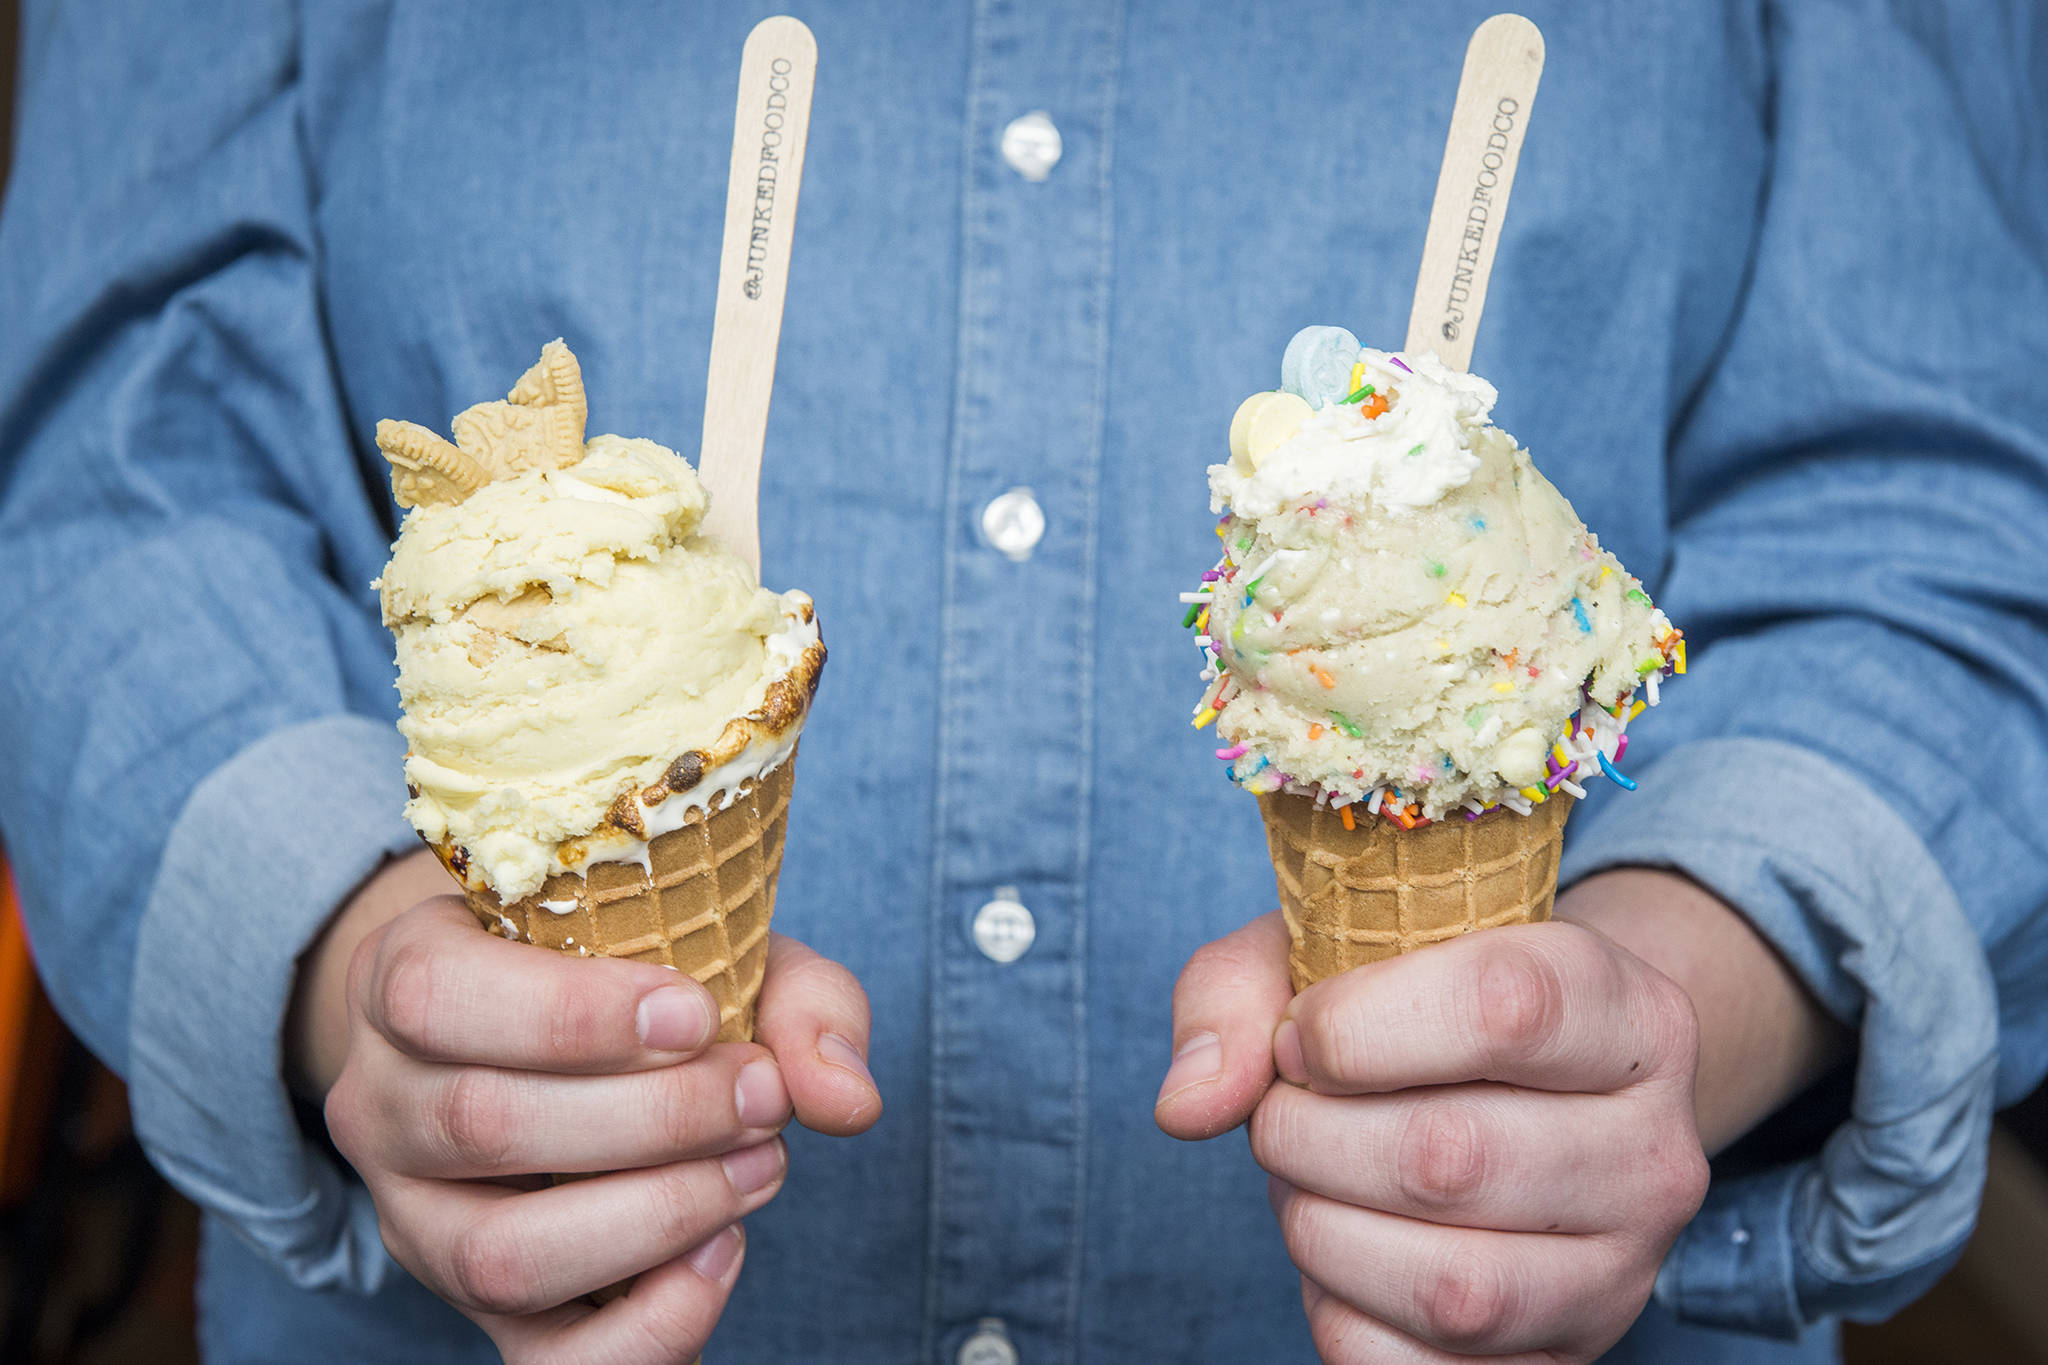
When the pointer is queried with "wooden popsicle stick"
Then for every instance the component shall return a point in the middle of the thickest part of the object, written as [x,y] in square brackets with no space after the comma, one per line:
[1502,66]
[770,122]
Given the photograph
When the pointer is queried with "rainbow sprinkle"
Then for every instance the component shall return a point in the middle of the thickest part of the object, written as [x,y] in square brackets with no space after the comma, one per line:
[1627,784]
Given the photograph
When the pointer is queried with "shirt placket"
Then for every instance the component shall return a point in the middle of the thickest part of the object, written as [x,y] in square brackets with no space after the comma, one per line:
[1009,919]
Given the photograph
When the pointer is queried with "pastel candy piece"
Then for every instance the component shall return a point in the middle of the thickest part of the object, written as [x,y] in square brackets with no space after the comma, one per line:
[1241,430]
[1265,422]
[1519,759]
[1317,365]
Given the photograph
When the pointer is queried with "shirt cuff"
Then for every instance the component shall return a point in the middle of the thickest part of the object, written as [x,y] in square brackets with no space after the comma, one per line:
[264,851]
[1847,891]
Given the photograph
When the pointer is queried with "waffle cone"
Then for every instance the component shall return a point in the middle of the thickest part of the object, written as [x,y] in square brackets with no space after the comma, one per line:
[1353,896]
[701,905]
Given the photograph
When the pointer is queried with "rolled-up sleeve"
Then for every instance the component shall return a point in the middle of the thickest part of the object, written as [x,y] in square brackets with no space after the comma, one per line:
[1846,890]
[196,710]
[1858,496]
[264,849]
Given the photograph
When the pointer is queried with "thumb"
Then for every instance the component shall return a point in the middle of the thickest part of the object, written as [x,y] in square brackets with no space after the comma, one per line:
[1230,997]
[814,1018]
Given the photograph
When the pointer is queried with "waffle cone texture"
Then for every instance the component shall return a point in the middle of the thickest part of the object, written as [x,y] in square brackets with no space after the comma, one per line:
[701,904]
[1353,896]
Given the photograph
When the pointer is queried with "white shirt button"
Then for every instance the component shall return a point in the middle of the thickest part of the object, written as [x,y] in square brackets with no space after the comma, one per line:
[1013,523]
[1004,929]
[990,1345]
[1032,145]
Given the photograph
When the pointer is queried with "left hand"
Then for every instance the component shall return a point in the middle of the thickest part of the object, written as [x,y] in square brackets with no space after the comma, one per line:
[1487,1148]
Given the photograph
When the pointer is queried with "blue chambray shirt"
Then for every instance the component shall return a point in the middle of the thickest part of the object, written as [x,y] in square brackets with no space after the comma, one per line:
[1770,309]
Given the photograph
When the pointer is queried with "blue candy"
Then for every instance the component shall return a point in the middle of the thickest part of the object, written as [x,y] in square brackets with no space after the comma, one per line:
[1318,365]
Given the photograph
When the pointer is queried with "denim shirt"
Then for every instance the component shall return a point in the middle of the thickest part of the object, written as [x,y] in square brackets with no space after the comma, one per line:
[1770,309]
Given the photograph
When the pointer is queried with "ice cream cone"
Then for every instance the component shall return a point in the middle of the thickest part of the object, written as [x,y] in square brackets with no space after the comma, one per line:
[1363,894]
[701,903]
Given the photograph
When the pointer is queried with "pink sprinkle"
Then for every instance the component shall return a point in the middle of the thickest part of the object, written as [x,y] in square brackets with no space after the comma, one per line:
[1234,751]
[1620,748]
[1396,360]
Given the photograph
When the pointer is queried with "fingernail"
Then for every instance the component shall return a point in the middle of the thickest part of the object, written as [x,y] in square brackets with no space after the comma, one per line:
[675,1019]
[754,1168]
[760,1097]
[1287,1052]
[1200,1059]
[715,1257]
[846,1056]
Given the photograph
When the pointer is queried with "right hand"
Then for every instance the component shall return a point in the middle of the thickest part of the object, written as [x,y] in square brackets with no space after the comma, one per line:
[475,1065]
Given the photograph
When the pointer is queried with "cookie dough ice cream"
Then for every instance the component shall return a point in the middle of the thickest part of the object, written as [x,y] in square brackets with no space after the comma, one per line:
[580,668]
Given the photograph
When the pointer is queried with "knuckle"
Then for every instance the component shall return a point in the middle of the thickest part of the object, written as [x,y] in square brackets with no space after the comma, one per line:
[1679,1171]
[1201,968]
[1441,1159]
[681,1210]
[362,966]
[1466,1304]
[492,1271]
[829,992]
[473,1123]
[578,1029]
[1520,998]
[1675,1020]
[1335,1042]
[341,1110]
[394,1241]
[1223,963]
[1338,1333]
[677,1329]
[674,1113]
[1273,1130]
[1305,1228]
[408,988]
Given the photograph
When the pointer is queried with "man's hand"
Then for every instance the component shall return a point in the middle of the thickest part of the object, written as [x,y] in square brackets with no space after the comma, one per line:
[474,1065]
[1486,1147]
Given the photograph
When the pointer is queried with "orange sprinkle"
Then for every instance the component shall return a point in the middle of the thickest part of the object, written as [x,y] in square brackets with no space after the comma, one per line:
[1345,811]
[1323,677]
[1374,406]
[1315,730]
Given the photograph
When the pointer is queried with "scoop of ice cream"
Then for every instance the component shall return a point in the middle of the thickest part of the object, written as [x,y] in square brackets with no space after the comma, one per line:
[1406,605]
[563,634]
